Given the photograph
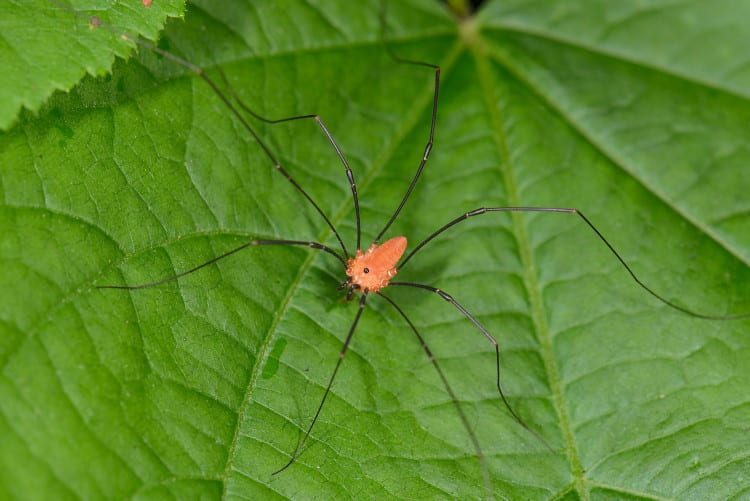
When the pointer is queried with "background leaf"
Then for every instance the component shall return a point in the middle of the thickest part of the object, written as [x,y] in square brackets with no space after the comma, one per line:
[636,114]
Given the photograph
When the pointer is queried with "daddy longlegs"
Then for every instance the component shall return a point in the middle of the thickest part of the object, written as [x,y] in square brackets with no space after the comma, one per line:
[372,270]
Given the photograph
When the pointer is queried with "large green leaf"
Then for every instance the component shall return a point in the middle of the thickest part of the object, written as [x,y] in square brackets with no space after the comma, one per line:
[636,114]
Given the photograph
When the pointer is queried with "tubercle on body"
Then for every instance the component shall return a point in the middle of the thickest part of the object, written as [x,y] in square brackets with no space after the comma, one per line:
[372,270]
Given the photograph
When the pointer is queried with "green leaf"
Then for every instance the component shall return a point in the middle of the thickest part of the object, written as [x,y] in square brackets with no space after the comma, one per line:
[44,50]
[201,388]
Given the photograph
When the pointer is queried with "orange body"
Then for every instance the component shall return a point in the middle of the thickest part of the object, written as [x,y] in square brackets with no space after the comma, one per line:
[372,270]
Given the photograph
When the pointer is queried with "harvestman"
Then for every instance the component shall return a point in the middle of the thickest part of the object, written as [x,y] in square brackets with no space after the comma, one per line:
[371,271]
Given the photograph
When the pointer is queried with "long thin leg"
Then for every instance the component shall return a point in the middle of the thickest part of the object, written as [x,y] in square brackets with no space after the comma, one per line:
[96,22]
[319,121]
[485,210]
[313,245]
[342,353]
[428,146]
[464,420]
[490,338]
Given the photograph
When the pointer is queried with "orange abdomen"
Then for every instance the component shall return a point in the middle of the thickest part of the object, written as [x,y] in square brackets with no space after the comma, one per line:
[372,270]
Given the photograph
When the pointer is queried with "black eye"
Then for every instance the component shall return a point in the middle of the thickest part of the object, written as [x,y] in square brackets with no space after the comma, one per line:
[367,270]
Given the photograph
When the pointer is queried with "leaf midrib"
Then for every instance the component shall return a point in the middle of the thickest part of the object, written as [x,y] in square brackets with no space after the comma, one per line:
[538,311]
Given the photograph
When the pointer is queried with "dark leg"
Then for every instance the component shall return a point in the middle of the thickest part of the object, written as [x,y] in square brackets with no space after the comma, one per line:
[313,245]
[96,22]
[428,146]
[464,420]
[485,210]
[342,353]
[491,339]
[319,121]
